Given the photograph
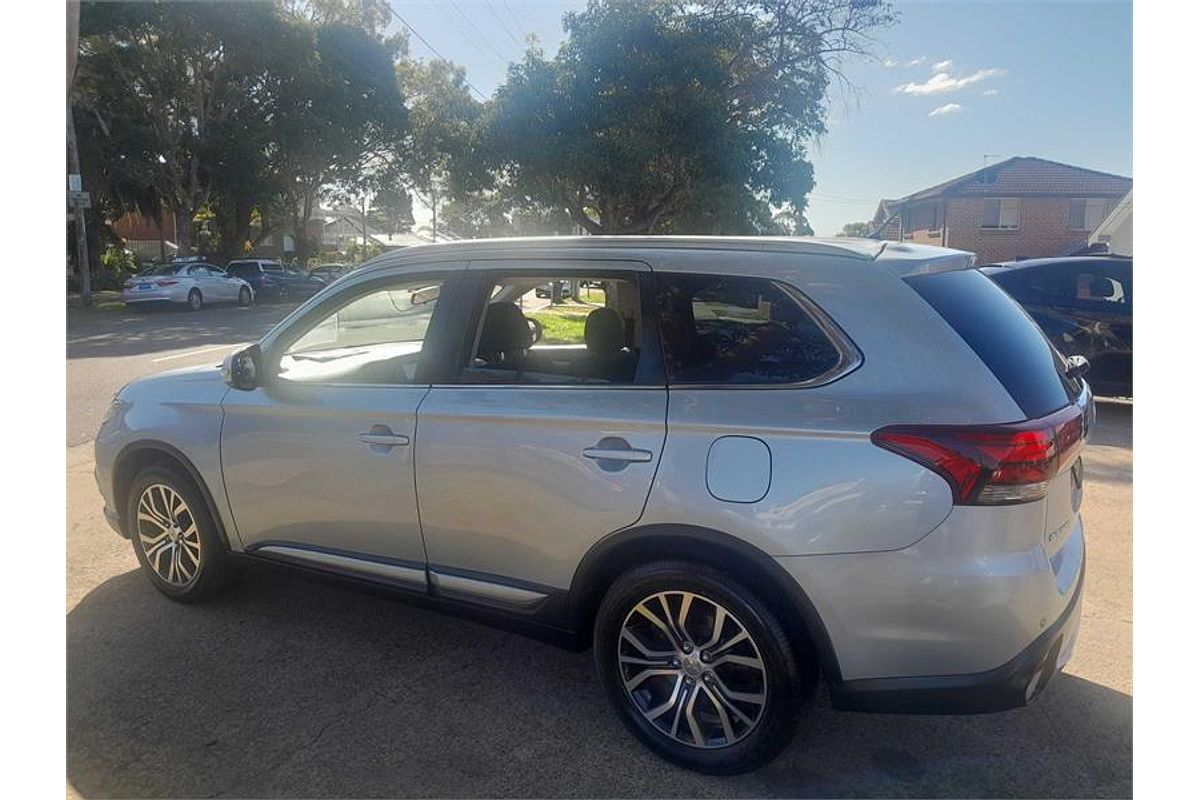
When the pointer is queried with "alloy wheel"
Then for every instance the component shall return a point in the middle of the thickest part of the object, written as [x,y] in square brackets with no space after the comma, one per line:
[692,669]
[168,535]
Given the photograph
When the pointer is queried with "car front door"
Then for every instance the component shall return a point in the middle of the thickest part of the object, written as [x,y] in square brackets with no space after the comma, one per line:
[318,461]
[532,451]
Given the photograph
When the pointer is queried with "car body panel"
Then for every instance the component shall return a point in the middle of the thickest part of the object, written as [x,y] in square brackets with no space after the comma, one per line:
[297,471]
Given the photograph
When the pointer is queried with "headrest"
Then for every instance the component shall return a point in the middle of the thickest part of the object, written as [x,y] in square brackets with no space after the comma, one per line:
[505,330]
[604,333]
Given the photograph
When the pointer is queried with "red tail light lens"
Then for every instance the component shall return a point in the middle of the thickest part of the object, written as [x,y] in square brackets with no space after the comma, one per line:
[165,282]
[992,464]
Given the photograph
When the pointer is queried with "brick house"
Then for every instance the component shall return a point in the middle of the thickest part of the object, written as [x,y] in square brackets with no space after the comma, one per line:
[1023,207]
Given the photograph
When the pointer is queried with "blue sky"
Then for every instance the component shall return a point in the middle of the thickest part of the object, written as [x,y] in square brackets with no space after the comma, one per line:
[1045,79]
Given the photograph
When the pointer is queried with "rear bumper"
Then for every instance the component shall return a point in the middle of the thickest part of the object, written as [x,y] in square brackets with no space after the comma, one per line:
[1011,685]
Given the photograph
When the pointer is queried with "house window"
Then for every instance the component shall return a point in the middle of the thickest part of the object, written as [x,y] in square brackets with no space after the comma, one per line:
[922,218]
[1002,213]
[1086,214]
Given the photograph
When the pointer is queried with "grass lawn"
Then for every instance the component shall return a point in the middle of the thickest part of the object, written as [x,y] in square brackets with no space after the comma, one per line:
[563,324]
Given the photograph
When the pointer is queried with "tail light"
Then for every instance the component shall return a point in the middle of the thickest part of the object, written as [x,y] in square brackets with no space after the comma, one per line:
[992,464]
[165,282]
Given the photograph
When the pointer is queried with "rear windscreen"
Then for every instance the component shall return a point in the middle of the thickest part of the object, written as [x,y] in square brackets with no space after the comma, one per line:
[1004,337]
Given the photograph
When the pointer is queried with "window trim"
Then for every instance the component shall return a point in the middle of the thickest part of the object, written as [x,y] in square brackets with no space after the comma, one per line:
[850,357]
[1000,215]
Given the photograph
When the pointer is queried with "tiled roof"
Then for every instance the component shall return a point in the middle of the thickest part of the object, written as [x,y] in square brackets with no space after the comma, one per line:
[1023,176]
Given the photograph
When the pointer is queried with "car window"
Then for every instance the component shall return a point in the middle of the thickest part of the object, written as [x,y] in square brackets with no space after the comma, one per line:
[267,266]
[588,332]
[198,271]
[735,330]
[374,338]
[1093,288]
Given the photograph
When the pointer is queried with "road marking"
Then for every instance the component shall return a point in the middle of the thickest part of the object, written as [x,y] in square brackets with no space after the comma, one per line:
[194,352]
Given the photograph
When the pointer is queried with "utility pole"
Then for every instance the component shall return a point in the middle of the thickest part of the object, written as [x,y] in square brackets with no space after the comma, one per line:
[433,197]
[83,264]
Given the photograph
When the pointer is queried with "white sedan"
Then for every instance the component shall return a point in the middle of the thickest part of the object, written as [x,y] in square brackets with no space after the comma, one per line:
[192,284]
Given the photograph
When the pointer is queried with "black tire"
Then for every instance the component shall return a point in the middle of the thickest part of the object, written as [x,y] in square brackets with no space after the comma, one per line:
[244,297]
[782,678]
[195,300]
[215,571]
[282,297]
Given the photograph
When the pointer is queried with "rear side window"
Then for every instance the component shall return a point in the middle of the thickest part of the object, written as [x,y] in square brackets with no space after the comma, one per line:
[736,331]
[243,269]
[1003,336]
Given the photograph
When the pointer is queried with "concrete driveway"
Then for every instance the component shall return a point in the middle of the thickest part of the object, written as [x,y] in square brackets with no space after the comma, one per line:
[294,687]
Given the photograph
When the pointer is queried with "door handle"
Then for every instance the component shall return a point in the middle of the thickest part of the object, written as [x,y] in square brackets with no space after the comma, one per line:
[602,454]
[382,436]
[614,448]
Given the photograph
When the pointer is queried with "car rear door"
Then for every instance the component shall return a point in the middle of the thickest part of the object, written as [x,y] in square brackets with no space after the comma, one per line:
[519,473]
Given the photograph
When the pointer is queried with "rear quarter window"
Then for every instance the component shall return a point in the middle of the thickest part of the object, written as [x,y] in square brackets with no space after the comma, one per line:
[1004,337]
[733,330]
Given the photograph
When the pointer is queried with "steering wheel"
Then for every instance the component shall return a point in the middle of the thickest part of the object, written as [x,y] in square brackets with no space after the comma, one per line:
[535,328]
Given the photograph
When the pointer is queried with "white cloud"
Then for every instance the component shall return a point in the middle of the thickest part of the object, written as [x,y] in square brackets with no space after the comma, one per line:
[990,92]
[949,108]
[944,82]
[942,66]
[891,62]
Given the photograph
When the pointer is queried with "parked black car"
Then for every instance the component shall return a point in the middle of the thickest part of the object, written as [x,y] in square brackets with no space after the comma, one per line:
[1085,305]
[272,280]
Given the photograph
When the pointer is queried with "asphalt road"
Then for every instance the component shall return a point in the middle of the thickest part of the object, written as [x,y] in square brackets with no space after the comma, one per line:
[294,687]
[107,348]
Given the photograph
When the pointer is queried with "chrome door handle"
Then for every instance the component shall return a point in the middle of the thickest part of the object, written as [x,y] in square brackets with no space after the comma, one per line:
[383,437]
[628,454]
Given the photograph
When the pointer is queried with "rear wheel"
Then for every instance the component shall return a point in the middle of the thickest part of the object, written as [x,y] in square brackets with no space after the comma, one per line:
[698,667]
[174,537]
[195,300]
[244,296]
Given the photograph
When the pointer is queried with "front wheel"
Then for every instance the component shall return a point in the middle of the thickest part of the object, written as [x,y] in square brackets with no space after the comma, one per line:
[174,537]
[698,667]
[244,296]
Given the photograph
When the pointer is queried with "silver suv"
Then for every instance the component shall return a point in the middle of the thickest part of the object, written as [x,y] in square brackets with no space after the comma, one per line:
[733,467]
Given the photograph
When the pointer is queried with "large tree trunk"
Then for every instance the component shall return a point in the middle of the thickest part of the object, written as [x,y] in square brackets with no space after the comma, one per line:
[184,230]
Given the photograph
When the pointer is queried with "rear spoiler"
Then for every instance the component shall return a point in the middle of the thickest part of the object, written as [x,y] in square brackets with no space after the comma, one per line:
[906,259]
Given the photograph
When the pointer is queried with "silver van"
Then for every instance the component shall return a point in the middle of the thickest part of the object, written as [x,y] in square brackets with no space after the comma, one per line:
[733,467]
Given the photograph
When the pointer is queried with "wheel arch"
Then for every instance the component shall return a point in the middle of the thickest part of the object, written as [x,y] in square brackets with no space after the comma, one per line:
[137,456]
[611,556]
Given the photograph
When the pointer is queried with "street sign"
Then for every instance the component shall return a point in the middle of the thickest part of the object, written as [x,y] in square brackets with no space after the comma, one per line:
[74,183]
[79,199]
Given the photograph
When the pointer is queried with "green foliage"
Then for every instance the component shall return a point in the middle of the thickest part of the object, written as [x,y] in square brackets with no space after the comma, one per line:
[675,116]
[391,211]
[857,229]
[356,253]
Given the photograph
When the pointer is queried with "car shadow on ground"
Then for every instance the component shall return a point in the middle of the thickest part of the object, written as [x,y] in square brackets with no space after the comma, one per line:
[290,686]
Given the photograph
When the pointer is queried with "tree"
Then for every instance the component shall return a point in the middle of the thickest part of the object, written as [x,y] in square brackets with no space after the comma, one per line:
[857,229]
[675,116]
[391,211]
[181,73]
[438,157]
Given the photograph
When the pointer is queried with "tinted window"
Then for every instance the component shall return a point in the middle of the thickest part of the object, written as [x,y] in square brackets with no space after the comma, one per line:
[734,330]
[243,269]
[1003,336]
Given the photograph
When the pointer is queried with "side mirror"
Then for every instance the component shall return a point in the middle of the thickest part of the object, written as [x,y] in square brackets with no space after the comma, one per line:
[1077,366]
[242,369]
[1102,288]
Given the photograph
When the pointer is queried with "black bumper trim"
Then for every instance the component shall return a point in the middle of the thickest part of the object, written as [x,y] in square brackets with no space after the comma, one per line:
[997,689]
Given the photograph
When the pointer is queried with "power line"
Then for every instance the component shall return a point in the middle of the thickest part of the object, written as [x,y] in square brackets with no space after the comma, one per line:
[432,49]
[516,21]
[487,42]
[503,25]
